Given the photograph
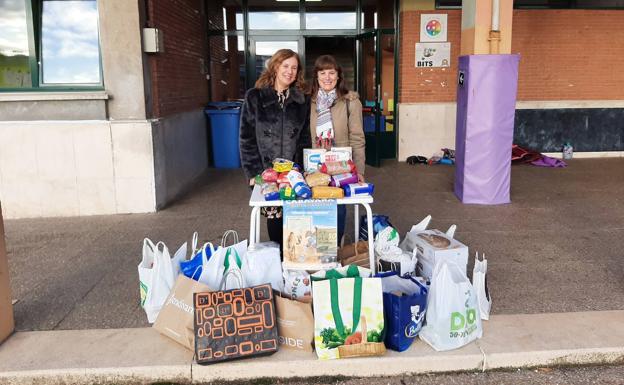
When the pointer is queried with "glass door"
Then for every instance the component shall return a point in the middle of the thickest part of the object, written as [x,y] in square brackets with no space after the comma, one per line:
[263,47]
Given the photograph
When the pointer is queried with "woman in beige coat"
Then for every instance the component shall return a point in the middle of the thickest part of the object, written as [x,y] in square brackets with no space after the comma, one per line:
[336,118]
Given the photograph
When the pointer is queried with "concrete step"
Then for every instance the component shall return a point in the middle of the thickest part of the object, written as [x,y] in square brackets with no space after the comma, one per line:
[143,355]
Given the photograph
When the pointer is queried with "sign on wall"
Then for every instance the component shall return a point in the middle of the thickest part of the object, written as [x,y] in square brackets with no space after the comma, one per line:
[433,27]
[431,55]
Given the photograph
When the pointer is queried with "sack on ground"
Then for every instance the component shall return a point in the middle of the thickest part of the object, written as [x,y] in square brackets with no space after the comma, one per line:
[175,319]
[405,305]
[479,282]
[348,315]
[157,274]
[193,267]
[213,269]
[234,323]
[295,322]
[452,315]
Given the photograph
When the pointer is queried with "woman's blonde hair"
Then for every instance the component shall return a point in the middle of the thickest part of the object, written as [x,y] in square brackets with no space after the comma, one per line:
[267,78]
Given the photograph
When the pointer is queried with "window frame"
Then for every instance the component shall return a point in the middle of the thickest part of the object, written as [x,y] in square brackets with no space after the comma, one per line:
[34,24]
[571,5]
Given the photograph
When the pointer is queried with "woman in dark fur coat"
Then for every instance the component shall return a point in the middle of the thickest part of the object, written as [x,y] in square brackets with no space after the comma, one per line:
[275,123]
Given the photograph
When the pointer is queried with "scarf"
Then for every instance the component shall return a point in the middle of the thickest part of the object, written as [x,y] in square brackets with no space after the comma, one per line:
[282,96]
[324,127]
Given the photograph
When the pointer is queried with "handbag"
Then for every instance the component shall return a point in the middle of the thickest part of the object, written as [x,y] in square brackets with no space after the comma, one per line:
[237,323]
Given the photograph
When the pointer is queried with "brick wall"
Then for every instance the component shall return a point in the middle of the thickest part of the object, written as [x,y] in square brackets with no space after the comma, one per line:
[178,76]
[565,55]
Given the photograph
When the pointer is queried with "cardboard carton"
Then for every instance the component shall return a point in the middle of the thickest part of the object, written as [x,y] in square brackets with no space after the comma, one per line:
[433,246]
[312,158]
[7,323]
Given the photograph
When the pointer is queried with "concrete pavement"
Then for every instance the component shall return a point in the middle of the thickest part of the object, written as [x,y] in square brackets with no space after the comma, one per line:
[558,247]
[141,355]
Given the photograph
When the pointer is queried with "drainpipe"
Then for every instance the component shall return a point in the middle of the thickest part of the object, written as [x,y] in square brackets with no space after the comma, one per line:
[495,29]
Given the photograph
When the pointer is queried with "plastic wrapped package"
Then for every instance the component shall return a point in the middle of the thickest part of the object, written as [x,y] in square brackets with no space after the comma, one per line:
[297,283]
[299,184]
[317,179]
[359,189]
[287,193]
[269,175]
[327,192]
[334,168]
[282,165]
[270,191]
[282,178]
[341,180]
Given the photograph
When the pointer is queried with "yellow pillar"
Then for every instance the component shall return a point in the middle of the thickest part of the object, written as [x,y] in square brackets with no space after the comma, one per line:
[6,307]
[477,36]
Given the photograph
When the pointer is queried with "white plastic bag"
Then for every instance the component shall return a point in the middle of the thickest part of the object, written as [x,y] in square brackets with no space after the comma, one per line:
[262,264]
[232,273]
[452,316]
[479,281]
[213,268]
[156,277]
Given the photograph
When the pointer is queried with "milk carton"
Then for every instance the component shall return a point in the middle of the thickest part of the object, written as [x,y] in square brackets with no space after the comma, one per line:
[312,158]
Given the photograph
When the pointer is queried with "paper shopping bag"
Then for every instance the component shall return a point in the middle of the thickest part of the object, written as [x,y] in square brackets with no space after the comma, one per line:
[295,322]
[348,317]
[175,319]
[236,323]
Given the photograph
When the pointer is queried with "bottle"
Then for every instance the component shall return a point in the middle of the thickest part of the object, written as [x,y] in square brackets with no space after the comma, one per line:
[298,184]
[568,151]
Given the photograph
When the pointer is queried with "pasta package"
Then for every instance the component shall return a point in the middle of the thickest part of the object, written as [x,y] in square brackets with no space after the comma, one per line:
[287,193]
[327,192]
[282,178]
[269,175]
[282,165]
[317,179]
[334,168]
[270,191]
[342,180]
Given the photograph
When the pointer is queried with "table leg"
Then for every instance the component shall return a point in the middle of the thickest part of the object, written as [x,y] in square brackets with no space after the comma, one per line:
[356,222]
[258,225]
[371,248]
[253,222]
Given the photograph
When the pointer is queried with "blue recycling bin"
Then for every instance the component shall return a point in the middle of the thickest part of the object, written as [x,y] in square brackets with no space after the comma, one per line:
[224,122]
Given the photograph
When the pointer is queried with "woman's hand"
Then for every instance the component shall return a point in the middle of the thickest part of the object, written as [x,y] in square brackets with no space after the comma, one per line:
[360,178]
[252,181]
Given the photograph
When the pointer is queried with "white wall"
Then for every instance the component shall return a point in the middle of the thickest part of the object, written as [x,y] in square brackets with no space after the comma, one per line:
[69,168]
[425,128]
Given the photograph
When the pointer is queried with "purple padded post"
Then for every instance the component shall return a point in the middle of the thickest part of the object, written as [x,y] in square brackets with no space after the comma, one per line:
[486,106]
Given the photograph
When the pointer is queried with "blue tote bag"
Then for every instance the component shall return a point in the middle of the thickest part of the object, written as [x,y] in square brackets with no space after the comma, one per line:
[404,314]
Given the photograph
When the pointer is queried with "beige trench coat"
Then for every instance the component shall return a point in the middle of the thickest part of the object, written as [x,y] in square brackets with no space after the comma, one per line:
[348,131]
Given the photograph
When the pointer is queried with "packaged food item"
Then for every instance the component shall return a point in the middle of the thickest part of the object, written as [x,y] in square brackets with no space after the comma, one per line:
[282,165]
[343,179]
[297,283]
[355,189]
[298,184]
[334,168]
[287,193]
[270,191]
[283,185]
[346,150]
[312,158]
[269,175]
[317,179]
[282,178]
[258,180]
[336,156]
[327,192]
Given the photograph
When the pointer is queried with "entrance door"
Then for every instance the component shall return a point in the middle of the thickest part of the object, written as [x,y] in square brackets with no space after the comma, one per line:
[377,90]
[262,48]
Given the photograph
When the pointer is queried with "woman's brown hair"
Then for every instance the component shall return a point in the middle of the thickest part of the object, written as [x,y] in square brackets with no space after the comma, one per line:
[327,62]
[267,78]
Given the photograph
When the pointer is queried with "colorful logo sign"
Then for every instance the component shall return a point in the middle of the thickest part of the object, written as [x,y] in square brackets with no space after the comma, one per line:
[433,28]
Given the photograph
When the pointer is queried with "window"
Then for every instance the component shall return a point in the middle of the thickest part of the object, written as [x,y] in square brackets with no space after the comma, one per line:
[49,44]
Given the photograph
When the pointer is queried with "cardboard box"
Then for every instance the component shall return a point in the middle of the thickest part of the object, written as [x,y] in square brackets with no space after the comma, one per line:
[312,158]
[346,150]
[7,323]
[434,246]
[336,156]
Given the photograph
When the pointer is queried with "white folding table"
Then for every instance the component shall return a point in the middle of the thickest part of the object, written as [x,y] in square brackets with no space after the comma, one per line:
[257,201]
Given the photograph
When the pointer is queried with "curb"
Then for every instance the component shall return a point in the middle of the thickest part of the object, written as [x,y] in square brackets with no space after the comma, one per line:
[142,355]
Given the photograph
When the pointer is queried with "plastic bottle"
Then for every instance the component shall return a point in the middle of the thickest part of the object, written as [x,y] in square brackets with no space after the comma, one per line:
[568,151]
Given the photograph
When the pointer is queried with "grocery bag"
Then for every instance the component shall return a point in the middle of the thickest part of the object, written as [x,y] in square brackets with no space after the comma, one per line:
[295,322]
[405,305]
[262,264]
[175,319]
[213,269]
[354,254]
[348,316]
[235,323]
[479,282]
[193,267]
[453,314]
[157,274]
